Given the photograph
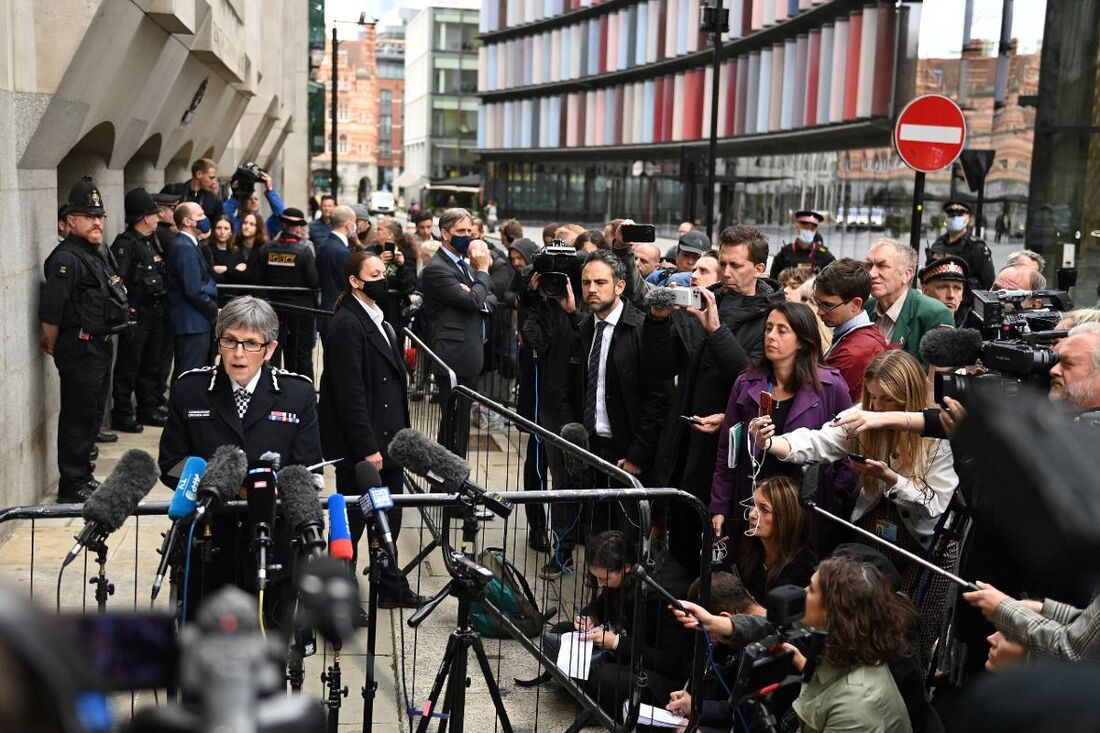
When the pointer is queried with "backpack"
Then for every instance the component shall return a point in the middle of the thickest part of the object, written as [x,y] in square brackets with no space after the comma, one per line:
[508,591]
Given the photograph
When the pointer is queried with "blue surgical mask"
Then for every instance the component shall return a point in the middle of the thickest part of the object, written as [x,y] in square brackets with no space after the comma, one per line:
[956,223]
[203,225]
[461,243]
[806,236]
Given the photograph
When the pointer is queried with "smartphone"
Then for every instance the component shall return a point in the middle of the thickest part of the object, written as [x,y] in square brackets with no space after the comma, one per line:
[692,420]
[766,404]
[857,458]
[632,233]
[127,651]
[687,297]
[389,247]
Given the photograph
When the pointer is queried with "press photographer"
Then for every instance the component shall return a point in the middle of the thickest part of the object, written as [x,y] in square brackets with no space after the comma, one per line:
[245,200]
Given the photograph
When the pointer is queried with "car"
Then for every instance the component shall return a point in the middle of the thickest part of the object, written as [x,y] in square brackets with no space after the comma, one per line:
[380,202]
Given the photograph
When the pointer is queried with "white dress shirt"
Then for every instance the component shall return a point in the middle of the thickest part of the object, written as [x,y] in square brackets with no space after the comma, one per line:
[377,316]
[886,321]
[251,386]
[603,423]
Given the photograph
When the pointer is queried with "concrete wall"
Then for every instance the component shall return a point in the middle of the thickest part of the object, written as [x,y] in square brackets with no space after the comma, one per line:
[109,88]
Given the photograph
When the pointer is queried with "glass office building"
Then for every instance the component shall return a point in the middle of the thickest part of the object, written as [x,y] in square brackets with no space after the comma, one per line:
[596,110]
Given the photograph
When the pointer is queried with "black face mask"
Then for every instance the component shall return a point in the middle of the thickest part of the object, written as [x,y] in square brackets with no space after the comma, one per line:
[376,290]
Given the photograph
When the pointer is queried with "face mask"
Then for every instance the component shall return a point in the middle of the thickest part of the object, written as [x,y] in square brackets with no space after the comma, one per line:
[806,236]
[376,290]
[203,225]
[956,223]
[461,243]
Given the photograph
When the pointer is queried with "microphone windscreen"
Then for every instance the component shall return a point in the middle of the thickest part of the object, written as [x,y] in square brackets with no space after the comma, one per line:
[259,485]
[660,298]
[224,473]
[366,477]
[424,456]
[272,457]
[116,499]
[576,471]
[300,505]
[339,536]
[186,496]
[951,347]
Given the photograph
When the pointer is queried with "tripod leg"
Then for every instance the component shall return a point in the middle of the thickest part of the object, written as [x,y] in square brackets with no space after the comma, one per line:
[437,684]
[455,704]
[491,683]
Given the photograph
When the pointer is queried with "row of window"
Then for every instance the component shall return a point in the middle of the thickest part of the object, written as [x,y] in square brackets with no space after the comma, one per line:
[838,73]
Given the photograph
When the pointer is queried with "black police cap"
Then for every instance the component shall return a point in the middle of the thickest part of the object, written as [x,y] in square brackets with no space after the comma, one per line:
[807,214]
[84,198]
[138,203]
[952,205]
[293,217]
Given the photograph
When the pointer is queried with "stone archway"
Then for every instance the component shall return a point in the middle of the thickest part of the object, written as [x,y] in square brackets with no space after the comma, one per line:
[89,157]
[141,170]
[178,167]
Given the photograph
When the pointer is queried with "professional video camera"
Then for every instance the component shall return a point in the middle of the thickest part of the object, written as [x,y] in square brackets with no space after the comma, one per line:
[1004,315]
[556,264]
[245,178]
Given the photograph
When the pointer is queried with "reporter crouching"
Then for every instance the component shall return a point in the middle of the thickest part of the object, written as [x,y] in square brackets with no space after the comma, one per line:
[244,401]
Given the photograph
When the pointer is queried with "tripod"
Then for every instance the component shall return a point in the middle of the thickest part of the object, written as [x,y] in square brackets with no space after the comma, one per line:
[467,585]
[103,587]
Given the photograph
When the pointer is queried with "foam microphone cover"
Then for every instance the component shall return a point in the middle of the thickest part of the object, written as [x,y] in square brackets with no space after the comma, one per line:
[116,499]
[660,298]
[300,505]
[951,347]
[367,477]
[272,457]
[260,491]
[426,457]
[576,434]
[224,473]
[339,536]
[186,496]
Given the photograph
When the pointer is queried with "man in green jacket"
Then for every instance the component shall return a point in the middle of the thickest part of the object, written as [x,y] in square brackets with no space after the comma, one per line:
[902,314]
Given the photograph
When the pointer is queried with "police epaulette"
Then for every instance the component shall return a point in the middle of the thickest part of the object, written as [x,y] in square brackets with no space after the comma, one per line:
[279,372]
[197,370]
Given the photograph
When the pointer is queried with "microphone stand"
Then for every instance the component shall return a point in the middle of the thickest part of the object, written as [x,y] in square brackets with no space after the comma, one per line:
[103,587]
[370,684]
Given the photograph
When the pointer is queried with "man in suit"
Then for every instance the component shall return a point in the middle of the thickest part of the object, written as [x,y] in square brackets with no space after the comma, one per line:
[902,314]
[202,189]
[364,403]
[243,401]
[616,397]
[458,300]
[192,292]
[332,255]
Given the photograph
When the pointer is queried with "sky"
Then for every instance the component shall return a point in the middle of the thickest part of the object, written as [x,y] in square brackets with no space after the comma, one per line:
[350,10]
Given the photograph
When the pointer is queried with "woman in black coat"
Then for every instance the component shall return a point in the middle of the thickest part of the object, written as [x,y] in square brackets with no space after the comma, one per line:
[364,402]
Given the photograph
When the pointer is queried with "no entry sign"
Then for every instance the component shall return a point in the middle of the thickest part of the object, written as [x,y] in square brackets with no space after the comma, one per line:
[930,133]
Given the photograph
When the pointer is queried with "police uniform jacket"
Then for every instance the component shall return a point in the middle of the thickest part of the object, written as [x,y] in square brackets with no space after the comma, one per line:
[82,290]
[978,258]
[142,267]
[192,291]
[363,396]
[286,262]
[791,255]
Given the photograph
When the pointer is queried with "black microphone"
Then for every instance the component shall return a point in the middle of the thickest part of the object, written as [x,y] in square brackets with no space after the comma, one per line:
[639,572]
[302,510]
[116,499]
[427,458]
[260,492]
[374,500]
[951,347]
[224,475]
[576,471]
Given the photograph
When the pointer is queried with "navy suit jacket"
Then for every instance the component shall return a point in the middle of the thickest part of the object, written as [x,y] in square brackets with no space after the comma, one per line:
[332,254]
[455,315]
[192,291]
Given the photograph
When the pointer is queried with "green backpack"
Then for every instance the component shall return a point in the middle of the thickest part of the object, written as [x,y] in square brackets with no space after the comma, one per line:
[508,591]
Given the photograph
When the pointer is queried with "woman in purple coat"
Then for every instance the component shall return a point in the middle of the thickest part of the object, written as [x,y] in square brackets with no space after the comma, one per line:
[804,395]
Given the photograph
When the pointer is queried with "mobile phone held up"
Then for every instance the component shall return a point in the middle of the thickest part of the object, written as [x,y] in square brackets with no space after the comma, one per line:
[857,458]
[767,404]
[686,297]
[635,233]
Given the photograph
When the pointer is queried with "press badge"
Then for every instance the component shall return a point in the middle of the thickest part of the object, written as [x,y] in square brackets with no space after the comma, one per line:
[734,445]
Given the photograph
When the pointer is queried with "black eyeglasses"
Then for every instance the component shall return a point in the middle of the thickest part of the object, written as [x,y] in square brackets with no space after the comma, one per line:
[825,307]
[231,344]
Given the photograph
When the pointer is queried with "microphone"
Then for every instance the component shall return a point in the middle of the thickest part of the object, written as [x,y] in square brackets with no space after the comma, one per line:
[375,499]
[429,459]
[660,298]
[951,347]
[224,475]
[640,573]
[339,536]
[182,507]
[576,471]
[116,499]
[260,493]
[302,510]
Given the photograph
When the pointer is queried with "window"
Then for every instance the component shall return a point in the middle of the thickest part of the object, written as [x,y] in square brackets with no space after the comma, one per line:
[385,150]
[385,125]
[385,100]
[342,113]
[342,146]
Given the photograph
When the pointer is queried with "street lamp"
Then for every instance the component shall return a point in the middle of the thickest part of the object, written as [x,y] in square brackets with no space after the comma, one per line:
[713,19]
[334,177]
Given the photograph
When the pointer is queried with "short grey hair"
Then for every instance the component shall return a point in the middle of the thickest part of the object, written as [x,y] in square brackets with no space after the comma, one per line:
[904,255]
[341,215]
[450,217]
[1091,329]
[1027,254]
[248,313]
[1078,316]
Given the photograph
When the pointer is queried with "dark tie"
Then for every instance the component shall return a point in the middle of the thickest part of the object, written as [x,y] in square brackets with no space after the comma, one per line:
[465,271]
[241,397]
[593,378]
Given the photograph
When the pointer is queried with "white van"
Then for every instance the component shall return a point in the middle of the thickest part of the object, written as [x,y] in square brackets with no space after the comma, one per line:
[380,202]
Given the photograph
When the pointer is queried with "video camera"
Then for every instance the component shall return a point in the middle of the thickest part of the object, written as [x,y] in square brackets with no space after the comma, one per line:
[556,264]
[245,178]
[1004,315]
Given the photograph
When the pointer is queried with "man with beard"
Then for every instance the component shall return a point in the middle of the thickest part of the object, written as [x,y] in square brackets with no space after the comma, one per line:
[1075,379]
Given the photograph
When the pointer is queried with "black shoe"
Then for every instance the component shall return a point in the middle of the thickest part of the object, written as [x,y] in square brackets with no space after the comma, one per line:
[94,454]
[108,437]
[553,570]
[538,542]
[416,396]
[78,493]
[405,598]
[161,411]
[153,420]
[126,425]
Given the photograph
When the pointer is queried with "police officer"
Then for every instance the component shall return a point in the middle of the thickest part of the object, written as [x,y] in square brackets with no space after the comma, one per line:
[83,303]
[242,401]
[289,261]
[946,280]
[960,242]
[137,366]
[808,248]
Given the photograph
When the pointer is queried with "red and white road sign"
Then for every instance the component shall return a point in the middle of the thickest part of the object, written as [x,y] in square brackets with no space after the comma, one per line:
[930,133]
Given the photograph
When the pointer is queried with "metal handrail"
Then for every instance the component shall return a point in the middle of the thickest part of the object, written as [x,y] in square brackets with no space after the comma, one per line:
[421,346]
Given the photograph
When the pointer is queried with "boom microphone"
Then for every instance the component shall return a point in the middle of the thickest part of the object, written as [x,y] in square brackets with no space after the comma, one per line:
[182,507]
[302,510]
[660,298]
[339,536]
[374,500]
[424,456]
[951,347]
[224,475]
[116,499]
[260,491]
[576,471]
